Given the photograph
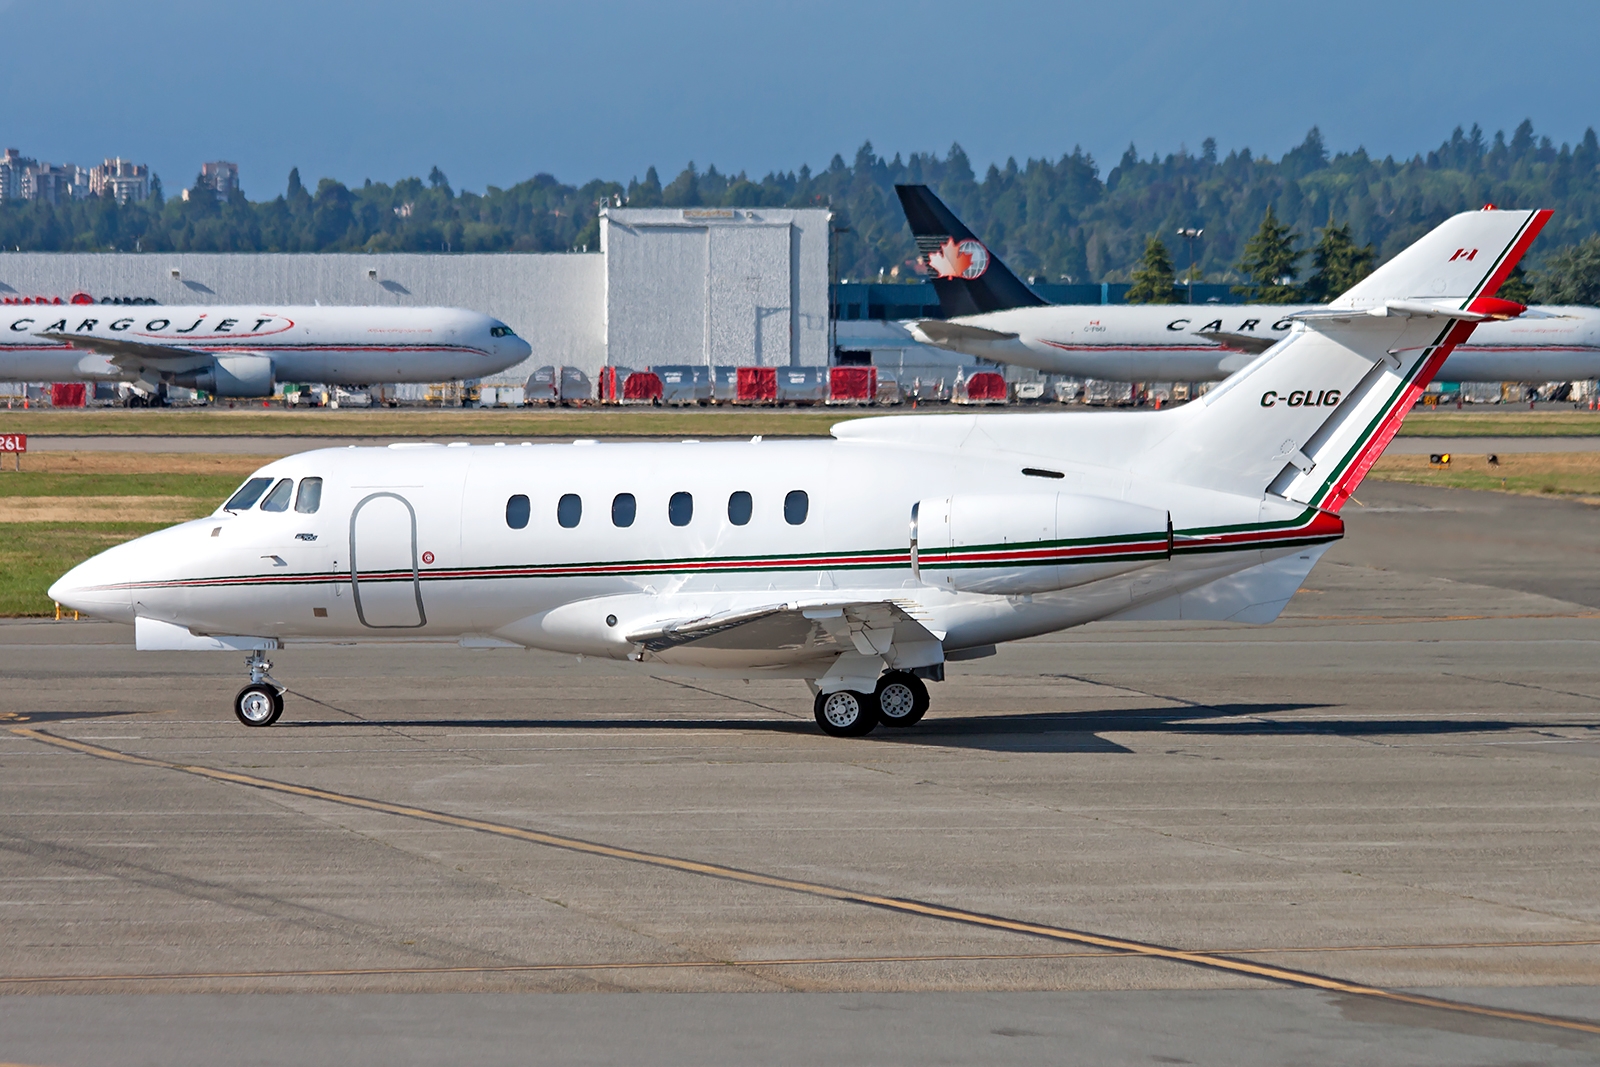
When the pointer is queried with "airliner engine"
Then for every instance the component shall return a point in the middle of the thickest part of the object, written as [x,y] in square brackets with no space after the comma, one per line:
[232,376]
[1032,543]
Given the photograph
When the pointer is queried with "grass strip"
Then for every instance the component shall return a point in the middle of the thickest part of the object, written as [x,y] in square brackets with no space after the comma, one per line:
[1501,422]
[210,487]
[1562,474]
[35,554]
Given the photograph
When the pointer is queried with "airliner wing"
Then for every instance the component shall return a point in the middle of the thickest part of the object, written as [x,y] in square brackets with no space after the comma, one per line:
[870,627]
[133,354]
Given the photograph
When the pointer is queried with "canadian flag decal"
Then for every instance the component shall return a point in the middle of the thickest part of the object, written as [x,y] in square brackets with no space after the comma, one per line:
[959,259]
[1468,254]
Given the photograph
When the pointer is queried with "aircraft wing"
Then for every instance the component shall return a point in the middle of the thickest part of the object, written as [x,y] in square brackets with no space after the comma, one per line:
[131,355]
[871,627]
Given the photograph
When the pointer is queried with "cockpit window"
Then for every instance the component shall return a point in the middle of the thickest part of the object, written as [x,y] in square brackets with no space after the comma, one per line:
[309,499]
[247,495]
[500,331]
[278,499]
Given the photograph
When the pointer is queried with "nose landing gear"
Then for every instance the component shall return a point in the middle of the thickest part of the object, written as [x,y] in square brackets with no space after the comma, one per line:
[261,702]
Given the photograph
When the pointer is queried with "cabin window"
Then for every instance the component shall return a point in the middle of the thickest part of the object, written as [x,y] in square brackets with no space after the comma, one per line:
[739,508]
[680,509]
[278,499]
[795,507]
[623,509]
[309,499]
[247,495]
[569,510]
[517,512]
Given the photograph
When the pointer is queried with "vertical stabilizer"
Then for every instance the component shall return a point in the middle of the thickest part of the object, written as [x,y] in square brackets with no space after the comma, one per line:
[1306,420]
[968,277]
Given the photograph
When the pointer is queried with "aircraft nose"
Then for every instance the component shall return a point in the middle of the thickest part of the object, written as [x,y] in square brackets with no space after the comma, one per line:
[522,349]
[95,588]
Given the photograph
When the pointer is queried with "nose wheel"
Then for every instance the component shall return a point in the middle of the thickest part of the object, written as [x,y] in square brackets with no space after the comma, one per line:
[261,702]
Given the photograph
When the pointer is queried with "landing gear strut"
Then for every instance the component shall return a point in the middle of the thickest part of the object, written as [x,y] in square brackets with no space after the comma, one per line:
[261,702]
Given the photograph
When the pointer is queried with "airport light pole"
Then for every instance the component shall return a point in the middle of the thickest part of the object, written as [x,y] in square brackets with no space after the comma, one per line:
[1190,234]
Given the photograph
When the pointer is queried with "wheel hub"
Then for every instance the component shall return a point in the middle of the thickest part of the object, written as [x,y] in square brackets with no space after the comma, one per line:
[897,700]
[256,706]
[842,709]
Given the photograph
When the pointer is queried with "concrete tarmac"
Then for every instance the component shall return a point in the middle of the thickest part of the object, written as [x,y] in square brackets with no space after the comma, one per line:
[1388,796]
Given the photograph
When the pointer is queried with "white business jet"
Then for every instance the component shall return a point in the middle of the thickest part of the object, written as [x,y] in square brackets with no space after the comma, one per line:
[989,313]
[245,351]
[861,564]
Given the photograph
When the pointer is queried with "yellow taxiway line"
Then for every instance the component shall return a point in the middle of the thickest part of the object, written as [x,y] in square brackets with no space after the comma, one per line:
[1208,960]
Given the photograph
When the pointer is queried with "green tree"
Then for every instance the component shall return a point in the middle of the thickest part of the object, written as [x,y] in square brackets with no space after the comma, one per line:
[1271,263]
[1517,286]
[1570,275]
[1339,263]
[1152,279]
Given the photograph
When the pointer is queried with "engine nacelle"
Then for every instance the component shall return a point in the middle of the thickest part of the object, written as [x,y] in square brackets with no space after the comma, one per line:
[1032,542]
[235,376]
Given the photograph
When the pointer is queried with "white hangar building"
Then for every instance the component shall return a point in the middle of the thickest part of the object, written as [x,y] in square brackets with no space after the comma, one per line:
[720,286]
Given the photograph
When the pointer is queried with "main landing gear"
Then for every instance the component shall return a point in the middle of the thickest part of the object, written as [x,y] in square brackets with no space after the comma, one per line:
[261,702]
[901,699]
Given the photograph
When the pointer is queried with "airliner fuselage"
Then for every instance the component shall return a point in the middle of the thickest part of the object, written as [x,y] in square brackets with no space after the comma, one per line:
[251,346]
[1197,343]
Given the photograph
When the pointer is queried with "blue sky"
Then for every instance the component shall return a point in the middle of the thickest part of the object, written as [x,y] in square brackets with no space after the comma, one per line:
[494,92]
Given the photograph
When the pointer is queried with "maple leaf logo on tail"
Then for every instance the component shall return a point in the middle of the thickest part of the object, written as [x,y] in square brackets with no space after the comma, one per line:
[959,259]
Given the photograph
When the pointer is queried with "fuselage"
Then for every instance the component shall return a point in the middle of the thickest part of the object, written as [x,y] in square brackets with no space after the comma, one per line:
[337,345]
[575,547]
[1175,342]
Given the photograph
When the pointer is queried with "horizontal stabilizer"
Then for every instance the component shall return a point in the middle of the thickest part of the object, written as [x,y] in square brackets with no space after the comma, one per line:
[939,332]
[1239,342]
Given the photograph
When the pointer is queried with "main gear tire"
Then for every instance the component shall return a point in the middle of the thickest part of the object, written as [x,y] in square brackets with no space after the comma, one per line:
[846,713]
[902,699]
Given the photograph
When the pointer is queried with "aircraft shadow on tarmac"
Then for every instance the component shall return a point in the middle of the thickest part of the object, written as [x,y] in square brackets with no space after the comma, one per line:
[1081,731]
[1041,732]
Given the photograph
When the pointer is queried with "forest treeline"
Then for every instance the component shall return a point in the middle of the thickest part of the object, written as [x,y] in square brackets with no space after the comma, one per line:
[1055,220]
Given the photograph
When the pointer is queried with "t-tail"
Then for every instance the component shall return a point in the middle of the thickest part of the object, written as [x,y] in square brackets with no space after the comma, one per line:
[969,278]
[1307,419]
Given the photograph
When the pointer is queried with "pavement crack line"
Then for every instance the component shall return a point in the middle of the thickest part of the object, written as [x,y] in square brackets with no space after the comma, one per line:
[902,905]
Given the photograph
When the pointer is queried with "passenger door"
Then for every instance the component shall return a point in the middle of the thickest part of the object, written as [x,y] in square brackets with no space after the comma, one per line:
[384,579]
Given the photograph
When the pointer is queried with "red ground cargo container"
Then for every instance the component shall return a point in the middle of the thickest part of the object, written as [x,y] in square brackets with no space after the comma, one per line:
[609,388]
[757,385]
[984,387]
[641,385]
[68,395]
[852,385]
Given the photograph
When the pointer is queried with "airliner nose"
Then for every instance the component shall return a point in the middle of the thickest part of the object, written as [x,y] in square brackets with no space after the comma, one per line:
[93,588]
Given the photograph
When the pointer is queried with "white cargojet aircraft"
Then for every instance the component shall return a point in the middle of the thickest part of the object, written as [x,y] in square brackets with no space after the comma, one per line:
[991,314]
[861,564]
[245,351]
